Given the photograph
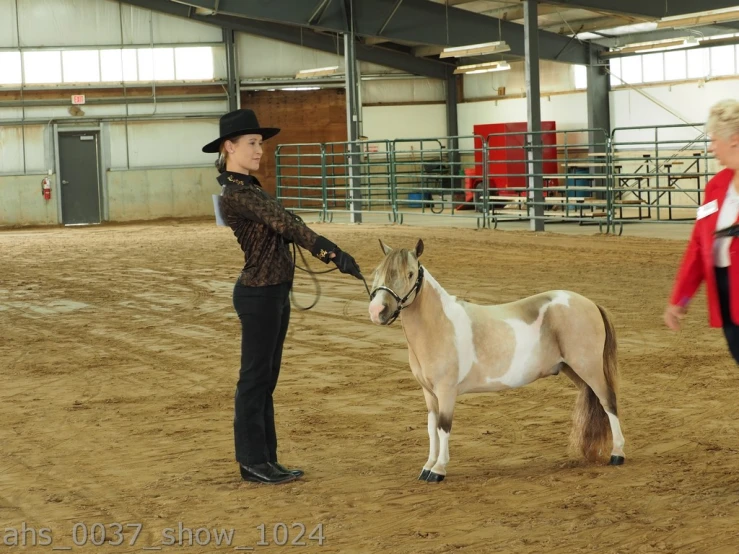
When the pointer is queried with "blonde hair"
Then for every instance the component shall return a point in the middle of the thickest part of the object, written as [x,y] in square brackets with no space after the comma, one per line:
[723,120]
[223,154]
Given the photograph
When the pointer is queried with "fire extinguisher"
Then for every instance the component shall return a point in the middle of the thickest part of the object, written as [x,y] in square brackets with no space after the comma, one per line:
[46,188]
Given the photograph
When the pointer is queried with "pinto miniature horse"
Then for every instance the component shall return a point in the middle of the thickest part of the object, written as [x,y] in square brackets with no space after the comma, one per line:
[457,347]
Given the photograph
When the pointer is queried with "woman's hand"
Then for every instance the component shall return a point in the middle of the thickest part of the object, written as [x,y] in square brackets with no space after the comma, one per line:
[673,315]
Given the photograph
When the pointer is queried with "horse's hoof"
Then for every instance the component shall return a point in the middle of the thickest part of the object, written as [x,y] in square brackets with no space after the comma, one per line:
[616,460]
[434,477]
[424,475]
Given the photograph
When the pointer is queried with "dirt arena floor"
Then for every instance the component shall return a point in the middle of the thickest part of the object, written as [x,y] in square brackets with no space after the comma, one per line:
[119,352]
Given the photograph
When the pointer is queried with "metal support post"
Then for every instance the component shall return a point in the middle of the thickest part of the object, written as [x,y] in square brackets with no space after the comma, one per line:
[533,101]
[353,121]
[234,96]
[452,129]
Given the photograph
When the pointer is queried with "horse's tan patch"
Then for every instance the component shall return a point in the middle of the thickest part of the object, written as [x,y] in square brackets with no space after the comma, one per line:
[531,307]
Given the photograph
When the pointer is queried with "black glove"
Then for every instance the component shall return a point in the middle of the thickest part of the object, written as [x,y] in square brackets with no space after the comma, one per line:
[322,248]
[347,264]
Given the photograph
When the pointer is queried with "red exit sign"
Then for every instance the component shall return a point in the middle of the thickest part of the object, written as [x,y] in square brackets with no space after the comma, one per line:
[78,99]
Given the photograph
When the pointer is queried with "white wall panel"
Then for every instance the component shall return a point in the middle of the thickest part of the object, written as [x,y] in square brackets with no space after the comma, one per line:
[264,57]
[166,29]
[119,110]
[118,144]
[555,77]
[8,34]
[21,202]
[11,149]
[68,22]
[11,153]
[398,122]
[168,143]
[406,90]
[215,108]
[690,101]
[95,23]
[10,114]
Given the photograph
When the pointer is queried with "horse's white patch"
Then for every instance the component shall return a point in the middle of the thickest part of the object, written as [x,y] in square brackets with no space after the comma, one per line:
[618,437]
[460,319]
[527,337]
[562,298]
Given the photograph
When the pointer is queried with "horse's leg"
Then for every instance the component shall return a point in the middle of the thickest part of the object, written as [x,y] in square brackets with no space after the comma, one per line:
[433,419]
[590,431]
[446,398]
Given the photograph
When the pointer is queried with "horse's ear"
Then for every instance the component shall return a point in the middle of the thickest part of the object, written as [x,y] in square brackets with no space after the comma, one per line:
[385,248]
[419,248]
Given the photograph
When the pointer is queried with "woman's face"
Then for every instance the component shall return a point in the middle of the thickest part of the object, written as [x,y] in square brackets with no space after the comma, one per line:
[726,150]
[244,153]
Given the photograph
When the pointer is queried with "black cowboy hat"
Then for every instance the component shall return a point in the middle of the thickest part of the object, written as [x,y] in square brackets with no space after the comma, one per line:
[236,123]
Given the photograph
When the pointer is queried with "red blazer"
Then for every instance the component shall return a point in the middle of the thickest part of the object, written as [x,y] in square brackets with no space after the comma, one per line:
[697,263]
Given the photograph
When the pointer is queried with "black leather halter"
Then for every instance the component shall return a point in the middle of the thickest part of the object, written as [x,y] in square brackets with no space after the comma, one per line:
[401,301]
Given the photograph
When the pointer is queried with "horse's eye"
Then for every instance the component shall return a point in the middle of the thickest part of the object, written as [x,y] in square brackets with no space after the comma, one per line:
[410,275]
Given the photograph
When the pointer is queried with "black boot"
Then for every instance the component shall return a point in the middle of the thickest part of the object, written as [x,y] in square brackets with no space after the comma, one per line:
[265,473]
[283,469]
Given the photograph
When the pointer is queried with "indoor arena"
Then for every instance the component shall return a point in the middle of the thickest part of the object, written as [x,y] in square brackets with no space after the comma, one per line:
[253,256]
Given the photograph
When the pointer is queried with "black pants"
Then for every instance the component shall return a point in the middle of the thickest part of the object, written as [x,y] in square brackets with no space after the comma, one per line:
[731,330]
[265,315]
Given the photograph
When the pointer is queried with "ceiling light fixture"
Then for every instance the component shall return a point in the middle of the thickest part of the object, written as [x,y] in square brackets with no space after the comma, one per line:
[317,72]
[482,68]
[475,49]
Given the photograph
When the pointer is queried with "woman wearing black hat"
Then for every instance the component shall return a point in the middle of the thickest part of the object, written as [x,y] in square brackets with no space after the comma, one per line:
[261,298]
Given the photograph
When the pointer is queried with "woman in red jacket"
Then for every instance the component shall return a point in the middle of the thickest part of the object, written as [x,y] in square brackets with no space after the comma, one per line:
[708,258]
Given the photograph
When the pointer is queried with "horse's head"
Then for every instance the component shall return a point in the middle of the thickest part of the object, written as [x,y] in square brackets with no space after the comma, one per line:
[396,284]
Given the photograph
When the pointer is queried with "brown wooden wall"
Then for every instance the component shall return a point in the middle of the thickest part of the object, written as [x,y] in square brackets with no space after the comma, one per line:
[304,116]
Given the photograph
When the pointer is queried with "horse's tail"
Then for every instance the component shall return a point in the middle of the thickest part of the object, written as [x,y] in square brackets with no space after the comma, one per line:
[591,432]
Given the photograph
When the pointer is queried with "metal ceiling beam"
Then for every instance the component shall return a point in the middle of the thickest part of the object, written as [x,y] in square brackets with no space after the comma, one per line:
[389,17]
[417,21]
[315,18]
[305,37]
[647,8]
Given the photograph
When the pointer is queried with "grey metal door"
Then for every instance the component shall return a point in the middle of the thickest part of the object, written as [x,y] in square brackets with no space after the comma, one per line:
[79,178]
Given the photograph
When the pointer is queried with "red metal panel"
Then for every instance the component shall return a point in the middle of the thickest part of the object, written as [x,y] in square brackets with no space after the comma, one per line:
[507,155]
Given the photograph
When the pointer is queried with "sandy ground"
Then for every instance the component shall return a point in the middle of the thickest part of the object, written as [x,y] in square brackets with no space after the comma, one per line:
[119,351]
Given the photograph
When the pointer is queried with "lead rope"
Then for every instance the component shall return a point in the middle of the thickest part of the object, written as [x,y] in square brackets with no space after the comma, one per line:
[312,273]
[313,277]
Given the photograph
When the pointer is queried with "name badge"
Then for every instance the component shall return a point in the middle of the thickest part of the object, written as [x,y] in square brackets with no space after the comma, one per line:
[217,209]
[707,209]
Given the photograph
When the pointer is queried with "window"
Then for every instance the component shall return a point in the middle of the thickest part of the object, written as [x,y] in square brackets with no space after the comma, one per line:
[81,66]
[722,60]
[42,67]
[615,69]
[118,65]
[164,64]
[194,64]
[676,67]
[698,63]
[108,65]
[581,76]
[156,64]
[10,68]
[631,69]
[653,67]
